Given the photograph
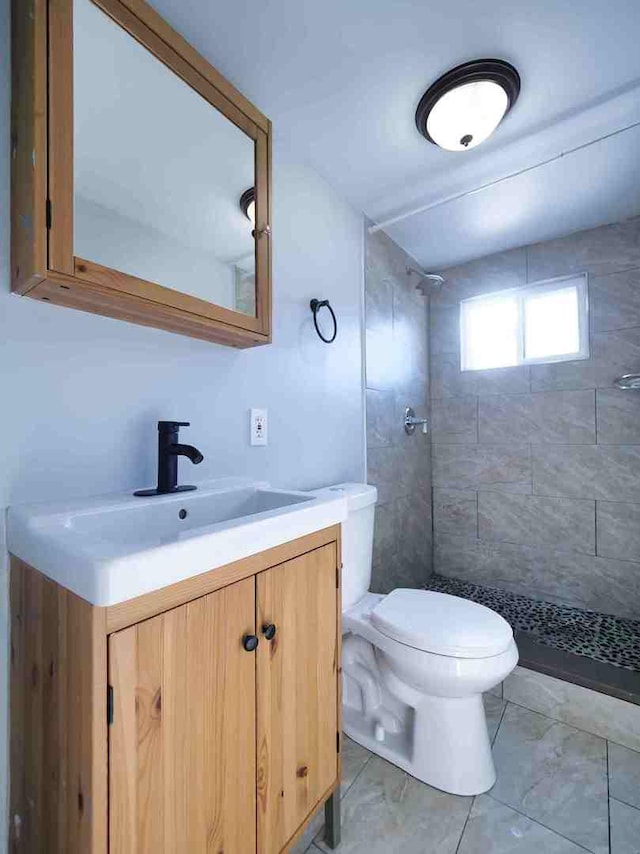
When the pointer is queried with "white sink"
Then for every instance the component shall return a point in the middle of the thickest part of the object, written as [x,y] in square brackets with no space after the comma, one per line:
[111,549]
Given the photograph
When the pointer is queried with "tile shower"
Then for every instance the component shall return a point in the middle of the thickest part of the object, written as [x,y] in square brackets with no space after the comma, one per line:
[397,376]
[535,470]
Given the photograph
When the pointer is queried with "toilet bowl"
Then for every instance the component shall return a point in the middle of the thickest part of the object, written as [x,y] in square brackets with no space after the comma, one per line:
[415,664]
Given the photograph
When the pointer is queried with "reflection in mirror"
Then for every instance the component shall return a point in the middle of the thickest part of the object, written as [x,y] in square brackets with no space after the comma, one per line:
[158,171]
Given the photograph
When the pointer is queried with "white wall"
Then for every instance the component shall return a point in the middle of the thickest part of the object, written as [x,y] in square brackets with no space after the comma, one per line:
[80,395]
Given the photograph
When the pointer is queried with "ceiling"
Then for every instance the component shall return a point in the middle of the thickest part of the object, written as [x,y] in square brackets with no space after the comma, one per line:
[341,82]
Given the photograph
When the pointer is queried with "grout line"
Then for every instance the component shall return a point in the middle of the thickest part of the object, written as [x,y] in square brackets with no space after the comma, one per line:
[626,803]
[536,821]
[504,709]
[357,777]
[344,794]
[466,822]
[558,720]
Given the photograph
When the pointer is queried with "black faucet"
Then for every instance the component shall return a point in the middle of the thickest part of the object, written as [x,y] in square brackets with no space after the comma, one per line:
[169,449]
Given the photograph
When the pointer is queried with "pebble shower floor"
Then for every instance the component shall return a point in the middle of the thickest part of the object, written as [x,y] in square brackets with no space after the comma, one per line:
[602,637]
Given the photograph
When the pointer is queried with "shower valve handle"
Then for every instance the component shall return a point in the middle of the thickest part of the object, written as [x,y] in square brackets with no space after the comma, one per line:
[411,422]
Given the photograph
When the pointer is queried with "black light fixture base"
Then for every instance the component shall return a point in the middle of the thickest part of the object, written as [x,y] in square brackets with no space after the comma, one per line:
[496,70]
[156,491]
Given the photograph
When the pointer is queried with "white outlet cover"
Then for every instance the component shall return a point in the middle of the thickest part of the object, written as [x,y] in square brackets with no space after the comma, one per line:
[258,427]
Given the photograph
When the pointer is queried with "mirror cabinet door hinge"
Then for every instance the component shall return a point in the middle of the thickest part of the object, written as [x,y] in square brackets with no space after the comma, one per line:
[109,704]
[48,213]
[338,577]
[338,741]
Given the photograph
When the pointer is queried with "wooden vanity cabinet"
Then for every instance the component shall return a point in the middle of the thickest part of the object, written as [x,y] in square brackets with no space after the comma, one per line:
[157,725]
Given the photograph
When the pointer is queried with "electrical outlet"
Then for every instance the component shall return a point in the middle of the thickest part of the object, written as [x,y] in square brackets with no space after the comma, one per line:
[259,427]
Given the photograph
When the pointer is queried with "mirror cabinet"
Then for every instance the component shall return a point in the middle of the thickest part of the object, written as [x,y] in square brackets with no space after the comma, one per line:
[141,178]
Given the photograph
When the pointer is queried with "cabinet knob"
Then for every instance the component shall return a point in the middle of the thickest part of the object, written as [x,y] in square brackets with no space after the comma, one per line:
[269,631]
[250,642]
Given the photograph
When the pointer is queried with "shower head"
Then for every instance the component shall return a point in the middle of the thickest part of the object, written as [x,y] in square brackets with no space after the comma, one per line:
[426,279]
[628,381]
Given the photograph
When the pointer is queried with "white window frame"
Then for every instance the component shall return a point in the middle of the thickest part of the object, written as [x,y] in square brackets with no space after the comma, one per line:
[581,282]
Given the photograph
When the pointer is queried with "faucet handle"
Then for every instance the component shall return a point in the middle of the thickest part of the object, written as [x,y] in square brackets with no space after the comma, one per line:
[171,426]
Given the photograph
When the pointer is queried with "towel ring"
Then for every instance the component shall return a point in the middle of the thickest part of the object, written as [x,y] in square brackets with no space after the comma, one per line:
[315,306]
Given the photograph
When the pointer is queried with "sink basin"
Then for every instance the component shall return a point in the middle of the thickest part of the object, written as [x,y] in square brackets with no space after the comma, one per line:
[111,549]
[185,515]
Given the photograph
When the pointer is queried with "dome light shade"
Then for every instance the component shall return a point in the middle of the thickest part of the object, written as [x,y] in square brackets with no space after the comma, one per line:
[466,105]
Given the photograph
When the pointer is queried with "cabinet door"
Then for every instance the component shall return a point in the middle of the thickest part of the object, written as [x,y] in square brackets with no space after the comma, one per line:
[182,743]
[297,673]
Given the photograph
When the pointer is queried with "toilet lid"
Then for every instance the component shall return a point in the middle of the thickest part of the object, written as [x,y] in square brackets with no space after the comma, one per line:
[441,623]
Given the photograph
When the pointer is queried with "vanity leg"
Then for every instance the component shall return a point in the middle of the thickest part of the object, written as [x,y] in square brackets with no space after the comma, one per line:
[332,819]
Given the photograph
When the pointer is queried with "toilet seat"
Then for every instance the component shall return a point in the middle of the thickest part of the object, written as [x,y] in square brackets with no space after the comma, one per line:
[441,624]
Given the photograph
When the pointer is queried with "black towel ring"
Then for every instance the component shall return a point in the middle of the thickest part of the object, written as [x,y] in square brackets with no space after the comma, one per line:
[316,305]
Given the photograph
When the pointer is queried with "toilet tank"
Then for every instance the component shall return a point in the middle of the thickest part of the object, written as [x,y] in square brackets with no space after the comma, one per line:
[357,538]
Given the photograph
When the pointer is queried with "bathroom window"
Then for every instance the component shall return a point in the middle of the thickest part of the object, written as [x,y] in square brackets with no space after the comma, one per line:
[543,322]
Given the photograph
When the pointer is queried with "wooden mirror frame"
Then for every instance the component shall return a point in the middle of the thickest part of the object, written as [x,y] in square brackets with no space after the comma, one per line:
[43,265]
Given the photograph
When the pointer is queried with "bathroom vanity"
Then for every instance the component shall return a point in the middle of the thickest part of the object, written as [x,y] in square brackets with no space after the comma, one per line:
[160,706]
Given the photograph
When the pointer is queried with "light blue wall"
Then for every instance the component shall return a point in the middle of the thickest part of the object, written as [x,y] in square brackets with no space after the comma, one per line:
[80,395]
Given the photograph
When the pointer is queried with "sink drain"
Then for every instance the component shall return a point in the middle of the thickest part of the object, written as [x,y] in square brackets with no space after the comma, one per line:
[182,514]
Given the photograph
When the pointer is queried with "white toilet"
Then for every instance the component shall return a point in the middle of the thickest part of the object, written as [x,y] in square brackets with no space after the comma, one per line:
[415,664]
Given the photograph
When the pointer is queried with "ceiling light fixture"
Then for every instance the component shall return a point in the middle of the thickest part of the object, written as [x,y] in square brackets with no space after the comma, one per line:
[464,106]
[248,204]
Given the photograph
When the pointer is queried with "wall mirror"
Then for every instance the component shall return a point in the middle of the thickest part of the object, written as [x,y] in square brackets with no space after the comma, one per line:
[157,193]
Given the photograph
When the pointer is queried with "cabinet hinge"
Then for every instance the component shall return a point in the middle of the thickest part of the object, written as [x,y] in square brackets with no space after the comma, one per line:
[48,213]
[338,741]
[109,704]
[337,577]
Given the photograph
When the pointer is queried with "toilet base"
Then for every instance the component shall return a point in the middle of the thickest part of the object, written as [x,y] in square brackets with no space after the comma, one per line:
[445,743]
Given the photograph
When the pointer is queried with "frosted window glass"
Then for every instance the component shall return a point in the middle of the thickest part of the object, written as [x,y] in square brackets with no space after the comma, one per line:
[490,333]
[543,322]
[551,324]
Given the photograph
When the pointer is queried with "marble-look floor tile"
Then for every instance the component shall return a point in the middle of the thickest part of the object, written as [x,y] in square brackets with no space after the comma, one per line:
[387,811]
[554,774]
[624,774]
[497,691]
[592,711]
[496,828]
[625,828]
[313,829]
[354,759]
[494,709]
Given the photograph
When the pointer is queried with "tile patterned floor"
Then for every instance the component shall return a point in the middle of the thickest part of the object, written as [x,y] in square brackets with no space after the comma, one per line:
[559,791]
